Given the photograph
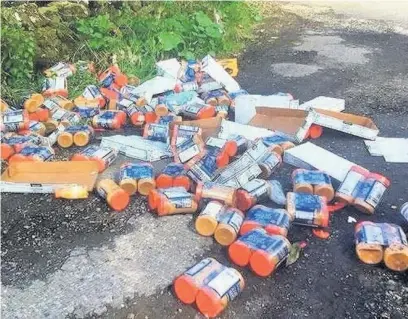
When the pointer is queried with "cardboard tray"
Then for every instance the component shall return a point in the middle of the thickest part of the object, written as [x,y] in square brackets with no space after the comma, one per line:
[297,122]
[45,177]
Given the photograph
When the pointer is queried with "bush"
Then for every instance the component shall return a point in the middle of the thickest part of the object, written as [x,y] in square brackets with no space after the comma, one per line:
[136,37]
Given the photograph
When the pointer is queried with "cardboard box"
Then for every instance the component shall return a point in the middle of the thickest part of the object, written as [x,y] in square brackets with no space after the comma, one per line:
[356,125]
[296,123]
[45,177]
[218,127]
[311,156]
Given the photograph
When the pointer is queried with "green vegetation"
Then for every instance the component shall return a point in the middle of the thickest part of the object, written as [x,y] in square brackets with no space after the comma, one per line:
[132,34]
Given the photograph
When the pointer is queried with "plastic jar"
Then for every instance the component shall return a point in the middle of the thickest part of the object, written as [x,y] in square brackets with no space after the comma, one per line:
[275,221]
[207,222]
[229,224]
[115,196]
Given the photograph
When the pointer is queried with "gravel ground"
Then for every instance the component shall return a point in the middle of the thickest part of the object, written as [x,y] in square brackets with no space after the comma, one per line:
[78,259]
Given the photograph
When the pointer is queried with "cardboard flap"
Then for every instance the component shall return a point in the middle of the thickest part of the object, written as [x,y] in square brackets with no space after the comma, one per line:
[350,118]
[284,120]
[210,127]
[77,172]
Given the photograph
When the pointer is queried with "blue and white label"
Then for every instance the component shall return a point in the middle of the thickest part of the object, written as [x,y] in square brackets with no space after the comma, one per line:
[268,216]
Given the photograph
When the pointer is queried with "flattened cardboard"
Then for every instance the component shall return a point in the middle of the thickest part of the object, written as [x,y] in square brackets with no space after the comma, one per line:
[297,122]
[45,177]
[360,126]
[311,156]
[135,146]
[292,122]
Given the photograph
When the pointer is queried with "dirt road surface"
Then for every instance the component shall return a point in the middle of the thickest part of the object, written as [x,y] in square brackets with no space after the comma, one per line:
[77,259]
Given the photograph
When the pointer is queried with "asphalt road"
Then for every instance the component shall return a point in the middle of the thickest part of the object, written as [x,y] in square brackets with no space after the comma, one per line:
[78,259]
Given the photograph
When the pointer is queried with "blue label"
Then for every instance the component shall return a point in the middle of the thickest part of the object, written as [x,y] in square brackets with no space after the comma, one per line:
[43,153]
[307,202]
[380,233]
[257,239]
[77,128]
[208,164]
[107,80]
[14,140]
[35,126]
[90,150]
[364,188]
[136,171]
[86,112]
[91,92]
[175,100]
[166,119]
[107,115]
[268,216]
[311,177]
[212,94]
[157,132]
[274,139]
[173,169]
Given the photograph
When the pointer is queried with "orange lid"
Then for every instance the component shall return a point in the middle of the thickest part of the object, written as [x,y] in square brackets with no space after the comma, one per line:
[137,119]
[153,199]
[164,207]
[261,263]
[248,225]
[208,302]
[101,164]
[380,178]
[164,181]
[275,230]
[222,159]
[244,200]
[118,199]
[43,115]
[315,131]
[231,148]
[182,181]
[6,151]
[150,117]
[34,116]
[121,79]
[206,112]
[109,94]
[320,233]
[185,289]
[122,117]
[79,157]
[239,253]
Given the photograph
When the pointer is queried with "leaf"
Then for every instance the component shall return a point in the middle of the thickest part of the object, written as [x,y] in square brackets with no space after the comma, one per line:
[213,32]
[295,252]
[187,54]
[169,40]
[203,19]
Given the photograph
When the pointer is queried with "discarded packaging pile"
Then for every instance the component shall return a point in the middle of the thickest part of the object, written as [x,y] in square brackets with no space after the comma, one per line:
[220,169]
